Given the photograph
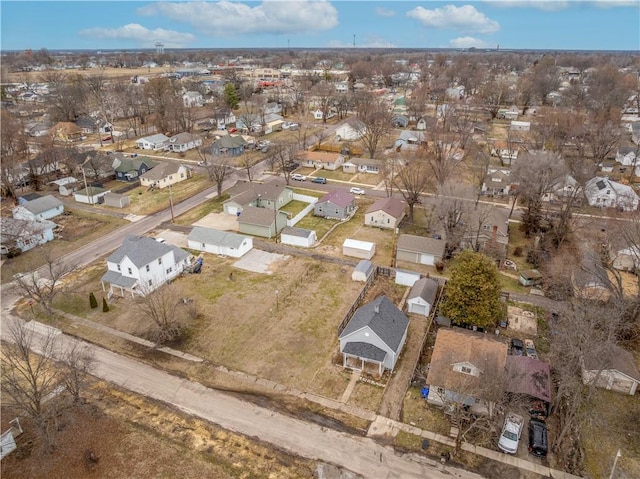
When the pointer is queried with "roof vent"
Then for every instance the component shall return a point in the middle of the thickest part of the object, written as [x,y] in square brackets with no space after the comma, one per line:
[377,308]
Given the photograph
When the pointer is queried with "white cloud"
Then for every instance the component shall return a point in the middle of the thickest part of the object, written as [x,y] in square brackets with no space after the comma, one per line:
[235,18]
[141,35]
[465,19]
[384,12]
[468,42]
[617,3]
[546,5]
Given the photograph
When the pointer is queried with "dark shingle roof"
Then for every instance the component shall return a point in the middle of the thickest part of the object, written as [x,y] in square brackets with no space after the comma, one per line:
[612,357]
[384,319]
[300,232]
[392,206]
[40,205]
[420,244]
[253,215]
[365,350]
[216,237]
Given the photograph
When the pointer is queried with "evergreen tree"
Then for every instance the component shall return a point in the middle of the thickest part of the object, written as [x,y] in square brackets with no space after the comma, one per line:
[105,306]
[93,302]
[231,97]
[472,295]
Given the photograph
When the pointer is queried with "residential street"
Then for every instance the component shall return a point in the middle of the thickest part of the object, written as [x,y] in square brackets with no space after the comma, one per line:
[361,455]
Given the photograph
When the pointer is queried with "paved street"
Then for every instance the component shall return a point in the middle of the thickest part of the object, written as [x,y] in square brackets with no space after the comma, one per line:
[358,454]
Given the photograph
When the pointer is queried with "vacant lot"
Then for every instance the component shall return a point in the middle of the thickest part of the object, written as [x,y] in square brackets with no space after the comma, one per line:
[134,437]
[282,326]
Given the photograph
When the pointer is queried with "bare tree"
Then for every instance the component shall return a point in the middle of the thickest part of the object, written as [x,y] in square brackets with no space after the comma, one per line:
[412,180]
[163,308]
[102,97]
[218,169]
[76,363]
[324,94]
[373,123]
[442,155]
[454,201]
[494,95]
[43,285]
[282,153]
[14,150]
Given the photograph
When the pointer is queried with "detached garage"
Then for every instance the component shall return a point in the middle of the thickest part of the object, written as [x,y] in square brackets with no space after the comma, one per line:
[217,242]
[419,250]
[358,249]
[611,368]
[298,237]
[422,296]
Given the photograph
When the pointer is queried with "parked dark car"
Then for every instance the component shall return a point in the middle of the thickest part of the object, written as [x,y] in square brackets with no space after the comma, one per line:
[517,347]
[291,166]
[319,179]
[538,438]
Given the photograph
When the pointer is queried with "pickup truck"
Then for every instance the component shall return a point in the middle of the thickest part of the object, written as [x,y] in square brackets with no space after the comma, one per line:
[511,432]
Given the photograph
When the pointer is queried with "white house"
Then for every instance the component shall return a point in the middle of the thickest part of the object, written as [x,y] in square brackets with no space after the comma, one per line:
[298,237]
[24,234]
[91,195]
[183,142]
[627,259]
[611,368]
[374,336]
[221,243]
[352,129]
[520,125]
[165,174]
[142,264]
[385,213]
[604,193]
[192,98]
[497,182]
[153,142]
[43,208]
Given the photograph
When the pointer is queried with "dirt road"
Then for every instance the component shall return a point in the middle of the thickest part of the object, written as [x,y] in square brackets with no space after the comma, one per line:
[358,454]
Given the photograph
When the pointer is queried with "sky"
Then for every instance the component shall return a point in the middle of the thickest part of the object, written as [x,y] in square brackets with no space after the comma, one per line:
[509,24]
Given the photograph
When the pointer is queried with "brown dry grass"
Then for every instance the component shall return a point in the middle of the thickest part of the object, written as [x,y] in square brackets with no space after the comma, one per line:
[135,437]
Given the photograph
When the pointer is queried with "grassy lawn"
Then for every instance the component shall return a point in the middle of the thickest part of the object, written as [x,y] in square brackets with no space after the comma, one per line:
[419,224]
[77,229]
[367,179]
[416,411]
[294,207]
[335,175]
[214,205]
[290,338]
[517,240]
[614,423]
[316,223]
[147,202]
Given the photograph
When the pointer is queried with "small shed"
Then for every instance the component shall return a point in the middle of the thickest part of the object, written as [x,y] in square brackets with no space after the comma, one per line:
[530,277]
[520,125]
[116,200]
[422,296]
[298,237]
[363,271]
[66,186]
[91,195]
[358,249]
[406,277]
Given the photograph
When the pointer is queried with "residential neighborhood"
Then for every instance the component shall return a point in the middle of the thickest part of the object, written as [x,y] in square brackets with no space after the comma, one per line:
[416,248]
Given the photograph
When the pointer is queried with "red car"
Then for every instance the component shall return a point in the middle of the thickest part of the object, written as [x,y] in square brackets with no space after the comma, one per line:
[106,138]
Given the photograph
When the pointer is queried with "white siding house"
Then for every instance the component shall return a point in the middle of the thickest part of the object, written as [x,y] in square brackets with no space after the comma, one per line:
[298,237]
[153,142]
[142,264]
[43,208]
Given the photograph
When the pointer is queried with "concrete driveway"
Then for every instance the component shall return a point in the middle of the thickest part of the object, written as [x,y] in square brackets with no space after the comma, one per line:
[219,221]
[259,261]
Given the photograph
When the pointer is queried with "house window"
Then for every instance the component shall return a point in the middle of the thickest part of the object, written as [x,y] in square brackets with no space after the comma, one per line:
[465,369]
[118,267]
[130,272]
[203,245]
[372,219]
[169,270]
[159,260]
[486,227]
[388,220]
[148,268]
[150,283]
[440,391]
[171,177]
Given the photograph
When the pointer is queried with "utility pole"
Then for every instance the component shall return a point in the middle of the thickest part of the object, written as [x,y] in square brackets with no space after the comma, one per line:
[615,462]
[354,40]
[171,203]
[84,177]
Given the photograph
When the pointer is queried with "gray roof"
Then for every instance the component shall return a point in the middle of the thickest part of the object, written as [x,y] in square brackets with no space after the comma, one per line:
[425,288]
[364,266]
[90,191]
[116,278]
[142,250]
[162,171]
[420,244]
[388,322]
[612,357]
[157,138]
[12,228]
[293,231]
[392,206]
[216,237]
[253,215]
[365,350]
[40,205]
